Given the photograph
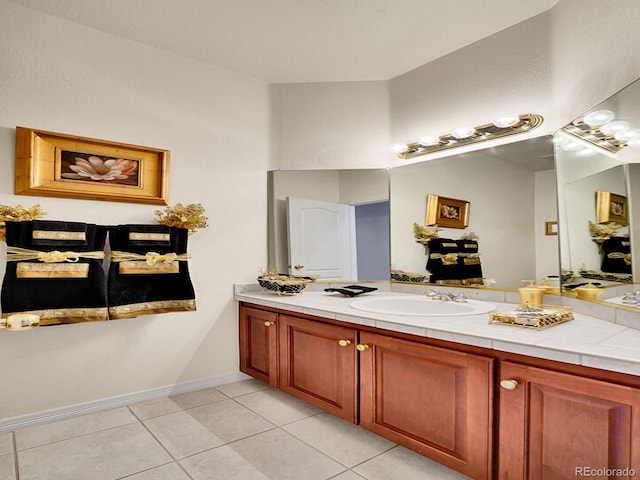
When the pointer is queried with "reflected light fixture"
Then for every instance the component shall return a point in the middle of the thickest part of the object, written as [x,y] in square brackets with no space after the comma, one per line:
[506,125]
[600,128]
[598,117]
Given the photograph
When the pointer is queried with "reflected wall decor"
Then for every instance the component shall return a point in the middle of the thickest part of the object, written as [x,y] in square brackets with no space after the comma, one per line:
[59,165]
[447,212]
[611,208]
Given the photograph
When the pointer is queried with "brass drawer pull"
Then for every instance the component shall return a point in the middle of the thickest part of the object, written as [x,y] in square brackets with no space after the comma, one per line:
[509,384]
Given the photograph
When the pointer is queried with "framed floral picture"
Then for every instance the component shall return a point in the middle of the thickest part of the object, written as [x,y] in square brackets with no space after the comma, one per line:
[447,212]
[611,208]
[59,165]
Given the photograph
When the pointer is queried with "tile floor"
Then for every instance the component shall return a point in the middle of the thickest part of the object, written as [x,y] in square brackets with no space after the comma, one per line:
[241,431]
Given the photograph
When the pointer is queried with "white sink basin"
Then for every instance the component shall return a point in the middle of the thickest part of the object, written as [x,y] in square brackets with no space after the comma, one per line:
[417,306]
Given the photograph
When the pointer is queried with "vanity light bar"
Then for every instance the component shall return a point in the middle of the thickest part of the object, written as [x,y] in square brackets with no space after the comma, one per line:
[524,123]
[594,135]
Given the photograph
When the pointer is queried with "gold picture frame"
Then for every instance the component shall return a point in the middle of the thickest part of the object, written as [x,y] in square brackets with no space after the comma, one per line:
[611,207]
[447,212]
[53,164]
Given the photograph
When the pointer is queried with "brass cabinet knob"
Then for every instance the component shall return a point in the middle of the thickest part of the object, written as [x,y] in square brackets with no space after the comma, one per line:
[298,266]
[362,347]
[344,343]
[268,323]
[509,384]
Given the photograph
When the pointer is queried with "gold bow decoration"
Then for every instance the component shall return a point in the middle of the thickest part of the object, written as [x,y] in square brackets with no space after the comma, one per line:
[15,254]
[447,258]
[151,258]
[625,256]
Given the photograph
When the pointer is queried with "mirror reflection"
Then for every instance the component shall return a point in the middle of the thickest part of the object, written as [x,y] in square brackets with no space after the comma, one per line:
[595,240]
[329,224]
[597,159]
[510,194]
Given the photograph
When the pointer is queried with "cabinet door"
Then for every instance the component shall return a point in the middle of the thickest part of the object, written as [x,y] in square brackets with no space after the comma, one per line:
[433,400]
[318,364]
[558,426]
[258,344]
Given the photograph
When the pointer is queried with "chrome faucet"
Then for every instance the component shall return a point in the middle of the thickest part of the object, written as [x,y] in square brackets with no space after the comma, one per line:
[632,298]
[446,296]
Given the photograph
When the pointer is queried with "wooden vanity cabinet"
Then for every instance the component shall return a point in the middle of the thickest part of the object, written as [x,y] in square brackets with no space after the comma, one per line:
[258,331]
[555,425]
[499,415]
[319,364]
[433,400]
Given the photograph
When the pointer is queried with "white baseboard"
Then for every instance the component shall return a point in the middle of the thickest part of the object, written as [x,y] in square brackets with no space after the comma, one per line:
[63,413]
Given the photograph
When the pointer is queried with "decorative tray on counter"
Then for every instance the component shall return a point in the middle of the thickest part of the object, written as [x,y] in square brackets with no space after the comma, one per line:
[401,276]
[533,317]
[284,284]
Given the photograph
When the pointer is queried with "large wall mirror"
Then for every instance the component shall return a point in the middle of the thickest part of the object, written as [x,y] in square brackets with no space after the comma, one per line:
[510,195]
[510,191]
[598,165]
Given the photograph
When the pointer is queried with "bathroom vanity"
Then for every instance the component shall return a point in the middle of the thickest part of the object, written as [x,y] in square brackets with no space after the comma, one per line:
[490,401]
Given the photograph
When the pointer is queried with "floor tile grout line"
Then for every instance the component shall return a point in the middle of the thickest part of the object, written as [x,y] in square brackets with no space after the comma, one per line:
[336,460]
[174,459]
[147,470]
[180,409]
[394,446]
[135,420]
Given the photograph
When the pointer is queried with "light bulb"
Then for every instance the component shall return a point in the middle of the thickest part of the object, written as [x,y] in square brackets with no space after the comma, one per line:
[598,117]
[612,128]
[429,141]
[399,148]
[571,146]
[560,140]
[586,152]
[628,135]
[634,142]
[507,121]
[463,132]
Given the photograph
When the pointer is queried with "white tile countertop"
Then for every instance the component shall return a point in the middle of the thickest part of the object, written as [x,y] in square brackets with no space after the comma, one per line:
[586,340]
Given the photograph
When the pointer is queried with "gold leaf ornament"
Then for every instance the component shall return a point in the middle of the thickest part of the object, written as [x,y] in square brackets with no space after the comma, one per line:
[191,216]
[17,214]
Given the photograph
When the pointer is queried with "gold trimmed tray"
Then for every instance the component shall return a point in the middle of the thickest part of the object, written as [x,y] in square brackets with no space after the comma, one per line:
[532,317]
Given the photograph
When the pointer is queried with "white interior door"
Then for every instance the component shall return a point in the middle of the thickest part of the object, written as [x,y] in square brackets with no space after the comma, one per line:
[321,239]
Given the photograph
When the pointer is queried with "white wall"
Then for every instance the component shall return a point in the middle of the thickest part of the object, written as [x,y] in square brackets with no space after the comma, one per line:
[332,125]
[61,77]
